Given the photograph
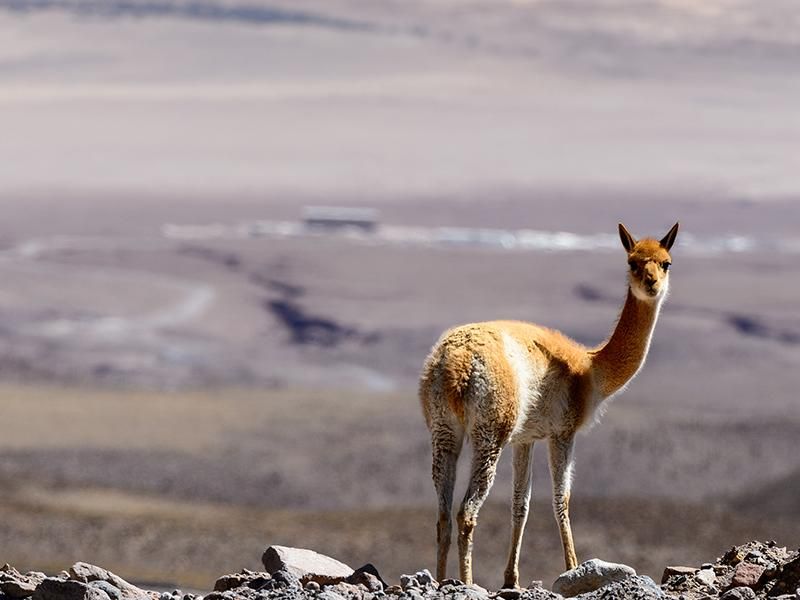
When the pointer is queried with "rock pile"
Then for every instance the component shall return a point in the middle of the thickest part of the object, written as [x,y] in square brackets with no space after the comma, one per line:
[82,582]
[747,572]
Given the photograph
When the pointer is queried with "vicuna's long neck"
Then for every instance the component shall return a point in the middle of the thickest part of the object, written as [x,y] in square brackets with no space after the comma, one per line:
[616,362]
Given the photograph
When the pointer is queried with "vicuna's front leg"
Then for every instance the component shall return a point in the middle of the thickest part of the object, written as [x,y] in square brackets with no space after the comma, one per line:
[561,472]
[519,510]
[485,455]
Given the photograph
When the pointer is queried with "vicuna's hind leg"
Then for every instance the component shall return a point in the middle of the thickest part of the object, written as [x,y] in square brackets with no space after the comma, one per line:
[485,454]
[561,471]
[519,510]
[447,442]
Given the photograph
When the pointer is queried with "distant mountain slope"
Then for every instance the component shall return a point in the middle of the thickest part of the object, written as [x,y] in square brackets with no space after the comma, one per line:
[745,28]
[209,10]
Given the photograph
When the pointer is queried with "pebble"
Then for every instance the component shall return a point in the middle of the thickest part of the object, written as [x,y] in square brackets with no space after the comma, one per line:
[312,586]
[739,593]
[706,576]
[394,589]
[408,582]
[365,579]
[754,556]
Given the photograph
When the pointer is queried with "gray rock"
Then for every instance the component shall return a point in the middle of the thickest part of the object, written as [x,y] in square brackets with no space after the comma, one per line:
[243,578]
[424,577]
[306,565]
[739,593]
[260,581]
[788,580]
[637,587]
[286,578]
[476,589]
[86,573]
[465,592]
[52,588]
[536,583]
[369,581]
[312,586]
[366,576]
[112,591]
[15,585]
[349,591]
[539,593]
[589,576]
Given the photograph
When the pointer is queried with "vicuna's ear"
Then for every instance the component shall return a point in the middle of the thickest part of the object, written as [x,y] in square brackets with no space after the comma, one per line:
[627,239]
[669,239]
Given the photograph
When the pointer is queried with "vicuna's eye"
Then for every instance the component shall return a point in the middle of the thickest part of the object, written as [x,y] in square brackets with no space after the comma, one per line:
[666,265]
[634,266]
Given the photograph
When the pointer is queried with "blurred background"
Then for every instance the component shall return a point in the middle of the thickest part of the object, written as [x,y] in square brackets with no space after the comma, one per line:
[232,229]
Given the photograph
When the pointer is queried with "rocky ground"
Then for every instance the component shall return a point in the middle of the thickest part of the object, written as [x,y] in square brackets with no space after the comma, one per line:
[747,572]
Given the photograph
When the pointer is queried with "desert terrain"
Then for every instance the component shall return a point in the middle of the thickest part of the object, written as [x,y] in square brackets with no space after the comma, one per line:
[190,374]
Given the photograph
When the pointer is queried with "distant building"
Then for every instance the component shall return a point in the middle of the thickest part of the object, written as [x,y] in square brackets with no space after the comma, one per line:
[340,217]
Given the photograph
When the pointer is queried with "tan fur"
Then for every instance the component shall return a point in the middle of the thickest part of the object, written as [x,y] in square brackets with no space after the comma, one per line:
[503,382]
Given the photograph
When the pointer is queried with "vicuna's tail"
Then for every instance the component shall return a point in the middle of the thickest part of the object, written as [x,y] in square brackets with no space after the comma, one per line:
[457,373]
[444,383]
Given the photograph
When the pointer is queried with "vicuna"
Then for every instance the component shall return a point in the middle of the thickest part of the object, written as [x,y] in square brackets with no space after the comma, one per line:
[508,382]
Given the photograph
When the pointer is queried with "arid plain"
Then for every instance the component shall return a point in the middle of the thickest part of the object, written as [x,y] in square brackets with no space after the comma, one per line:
[189,375]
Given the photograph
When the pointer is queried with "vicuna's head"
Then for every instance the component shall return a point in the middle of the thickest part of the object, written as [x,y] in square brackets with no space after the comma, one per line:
[649,262]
